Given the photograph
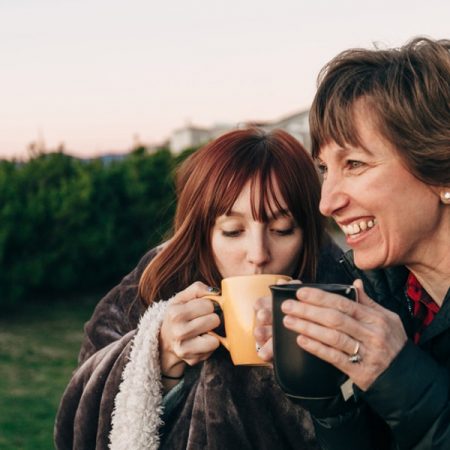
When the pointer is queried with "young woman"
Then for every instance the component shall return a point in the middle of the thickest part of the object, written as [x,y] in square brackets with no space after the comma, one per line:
[149,375]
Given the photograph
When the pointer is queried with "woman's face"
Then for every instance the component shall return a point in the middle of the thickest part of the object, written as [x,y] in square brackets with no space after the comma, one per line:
[243,246]
[389,217]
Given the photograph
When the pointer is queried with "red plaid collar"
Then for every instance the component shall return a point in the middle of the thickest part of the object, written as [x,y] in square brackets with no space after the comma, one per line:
[424,308]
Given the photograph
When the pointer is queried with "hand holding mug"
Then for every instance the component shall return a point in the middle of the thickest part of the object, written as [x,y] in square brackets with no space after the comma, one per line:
[263,324]
[334,329]
[301,373]
[183,336]
[263,328]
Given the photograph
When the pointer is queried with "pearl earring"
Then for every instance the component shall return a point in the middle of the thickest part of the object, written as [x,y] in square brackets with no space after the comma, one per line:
[445,197]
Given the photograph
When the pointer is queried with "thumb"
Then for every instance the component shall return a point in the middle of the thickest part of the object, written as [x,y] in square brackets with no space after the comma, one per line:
[362,297]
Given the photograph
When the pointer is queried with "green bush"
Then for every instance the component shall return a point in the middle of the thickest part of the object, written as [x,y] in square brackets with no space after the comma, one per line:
[69,225]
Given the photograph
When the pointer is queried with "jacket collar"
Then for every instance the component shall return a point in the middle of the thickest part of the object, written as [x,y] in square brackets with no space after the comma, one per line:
[387,287]
[440,323]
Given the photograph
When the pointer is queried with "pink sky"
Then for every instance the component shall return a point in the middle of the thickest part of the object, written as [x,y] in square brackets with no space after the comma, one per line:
[95,74]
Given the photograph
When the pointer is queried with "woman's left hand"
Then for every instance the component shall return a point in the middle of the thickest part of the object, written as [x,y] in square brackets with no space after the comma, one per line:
[334,328]
[263,328]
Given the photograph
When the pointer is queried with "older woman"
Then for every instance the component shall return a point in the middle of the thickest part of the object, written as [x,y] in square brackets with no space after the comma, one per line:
[150,376]
[380,126]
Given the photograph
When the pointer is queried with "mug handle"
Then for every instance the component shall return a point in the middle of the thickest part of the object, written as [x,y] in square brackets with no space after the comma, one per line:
[220,301]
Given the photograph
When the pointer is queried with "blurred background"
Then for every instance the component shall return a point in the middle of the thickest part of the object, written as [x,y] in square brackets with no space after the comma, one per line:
[100,100]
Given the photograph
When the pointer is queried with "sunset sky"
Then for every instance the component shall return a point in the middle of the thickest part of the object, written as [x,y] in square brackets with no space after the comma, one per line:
[96,74]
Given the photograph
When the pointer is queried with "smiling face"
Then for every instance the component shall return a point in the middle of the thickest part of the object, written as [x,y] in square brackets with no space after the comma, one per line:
[389,216]
[242,245]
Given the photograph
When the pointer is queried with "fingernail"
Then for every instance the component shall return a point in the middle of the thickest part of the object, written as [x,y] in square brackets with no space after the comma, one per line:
[287,306]
[302,293]
[288,320]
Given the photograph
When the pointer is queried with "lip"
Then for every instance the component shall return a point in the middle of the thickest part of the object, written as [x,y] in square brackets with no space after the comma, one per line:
[355,239]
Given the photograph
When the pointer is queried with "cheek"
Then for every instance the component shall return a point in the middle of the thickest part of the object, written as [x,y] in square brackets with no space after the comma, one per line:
[224,251]
[289,252]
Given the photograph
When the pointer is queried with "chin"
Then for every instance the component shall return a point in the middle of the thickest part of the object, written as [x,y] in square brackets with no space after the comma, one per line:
[367,262]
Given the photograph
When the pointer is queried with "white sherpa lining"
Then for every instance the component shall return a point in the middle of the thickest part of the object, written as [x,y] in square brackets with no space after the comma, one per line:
[136,418]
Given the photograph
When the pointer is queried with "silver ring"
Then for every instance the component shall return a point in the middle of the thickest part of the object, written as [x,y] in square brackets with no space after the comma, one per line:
[258,348]
[355,357]
[213,289]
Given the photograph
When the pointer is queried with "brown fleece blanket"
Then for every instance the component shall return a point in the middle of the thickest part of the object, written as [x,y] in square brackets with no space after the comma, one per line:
[237,407]
[225,407]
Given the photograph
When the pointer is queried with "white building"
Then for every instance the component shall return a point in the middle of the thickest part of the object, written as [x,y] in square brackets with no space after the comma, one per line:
[295,124]
[188,137]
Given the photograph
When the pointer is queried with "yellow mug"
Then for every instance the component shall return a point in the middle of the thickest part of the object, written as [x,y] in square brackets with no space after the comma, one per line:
[238,296]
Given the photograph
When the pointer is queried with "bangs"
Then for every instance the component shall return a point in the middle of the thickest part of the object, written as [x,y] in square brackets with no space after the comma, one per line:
[335,123]
[266,201]
[341,86]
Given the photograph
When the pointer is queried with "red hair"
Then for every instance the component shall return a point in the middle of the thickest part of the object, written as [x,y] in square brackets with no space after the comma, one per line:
[208,184]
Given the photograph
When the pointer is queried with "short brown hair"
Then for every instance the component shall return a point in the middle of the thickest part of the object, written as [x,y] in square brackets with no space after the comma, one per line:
[408,90]
[210,181]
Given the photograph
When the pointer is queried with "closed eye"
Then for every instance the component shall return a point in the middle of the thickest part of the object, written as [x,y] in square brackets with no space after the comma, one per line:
[232,233]
[284,232]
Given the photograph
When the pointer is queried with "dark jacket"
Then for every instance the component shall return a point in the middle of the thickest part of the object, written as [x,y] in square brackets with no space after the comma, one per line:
[408,406]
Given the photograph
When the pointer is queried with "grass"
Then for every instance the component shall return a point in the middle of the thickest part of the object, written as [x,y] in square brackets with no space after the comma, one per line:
[38,352]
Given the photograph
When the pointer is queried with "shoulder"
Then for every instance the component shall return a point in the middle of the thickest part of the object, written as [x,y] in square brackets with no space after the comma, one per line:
[119,311]
[135,275]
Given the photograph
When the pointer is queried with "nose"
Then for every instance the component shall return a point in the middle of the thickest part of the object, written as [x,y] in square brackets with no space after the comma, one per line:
[258,252]
[333,197]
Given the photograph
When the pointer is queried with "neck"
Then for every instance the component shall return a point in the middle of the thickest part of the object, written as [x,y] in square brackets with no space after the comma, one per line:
[435,279]
[431,261]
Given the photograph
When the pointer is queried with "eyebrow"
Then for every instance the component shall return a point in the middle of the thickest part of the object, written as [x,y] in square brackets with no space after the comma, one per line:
[343,151]
[280,213]
[362,148]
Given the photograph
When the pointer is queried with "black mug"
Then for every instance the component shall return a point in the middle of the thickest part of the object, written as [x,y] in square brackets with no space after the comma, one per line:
[299,373]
